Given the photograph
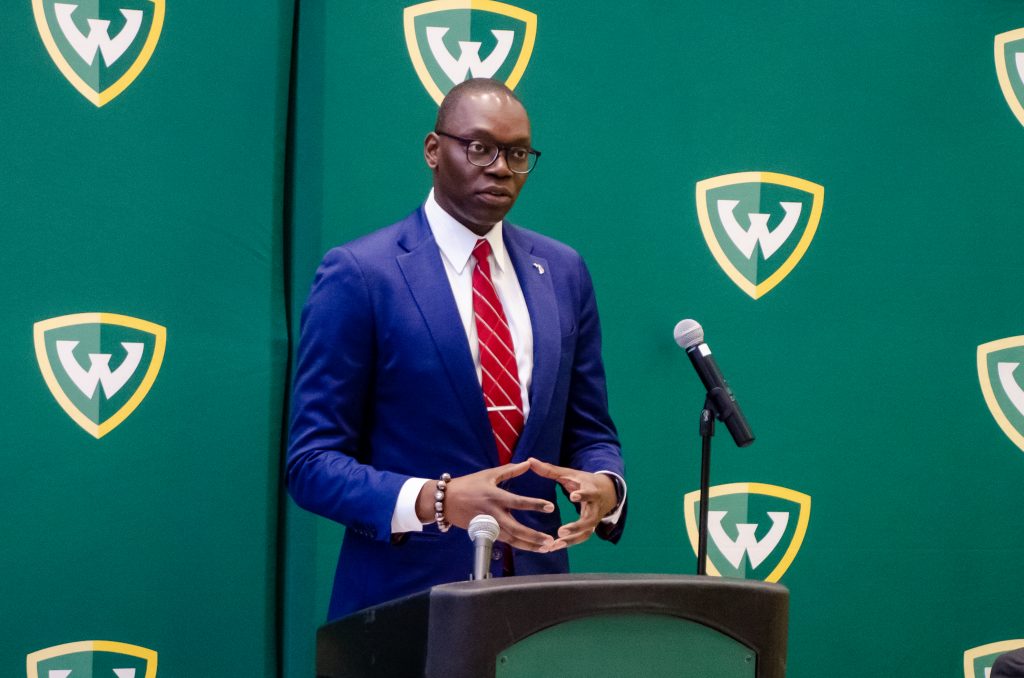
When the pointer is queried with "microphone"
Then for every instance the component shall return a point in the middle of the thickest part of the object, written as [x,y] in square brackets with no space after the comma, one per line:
[690,336]
[483,530]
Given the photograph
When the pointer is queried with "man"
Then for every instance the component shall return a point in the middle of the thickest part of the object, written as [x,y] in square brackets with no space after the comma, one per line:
[1009,665]
[454,343]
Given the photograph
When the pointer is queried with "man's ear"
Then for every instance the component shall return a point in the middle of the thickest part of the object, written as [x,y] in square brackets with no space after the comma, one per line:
[431,148]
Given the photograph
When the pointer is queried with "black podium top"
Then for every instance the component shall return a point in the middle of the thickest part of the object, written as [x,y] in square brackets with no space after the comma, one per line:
[457,630]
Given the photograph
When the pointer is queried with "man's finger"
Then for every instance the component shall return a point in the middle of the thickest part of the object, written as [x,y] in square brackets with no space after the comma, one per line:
[520,536]
[571,538]
[576,527]
[509,471]
[588,513]
[546,470]
[566,477]
[525,545]
[570,484]
[578,494]
[587,521]
[516,501]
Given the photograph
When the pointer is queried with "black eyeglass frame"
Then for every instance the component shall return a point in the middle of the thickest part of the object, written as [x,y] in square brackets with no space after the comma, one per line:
[498,149]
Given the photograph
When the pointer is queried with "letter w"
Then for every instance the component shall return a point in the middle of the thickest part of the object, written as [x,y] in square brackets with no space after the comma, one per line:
[99,368]
[469,55]
[745,541]
[745,239]
[99,36]
[1010,385]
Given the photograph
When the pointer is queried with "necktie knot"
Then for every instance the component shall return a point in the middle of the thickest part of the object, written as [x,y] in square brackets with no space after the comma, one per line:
[481,251]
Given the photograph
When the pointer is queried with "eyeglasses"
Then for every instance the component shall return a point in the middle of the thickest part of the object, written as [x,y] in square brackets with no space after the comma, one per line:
[483,153]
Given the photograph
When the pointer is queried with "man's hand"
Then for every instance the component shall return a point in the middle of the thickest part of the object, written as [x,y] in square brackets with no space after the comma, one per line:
[469,496]
[594,492]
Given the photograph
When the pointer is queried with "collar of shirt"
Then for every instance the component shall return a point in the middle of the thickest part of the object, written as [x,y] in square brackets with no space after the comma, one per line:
[456,242]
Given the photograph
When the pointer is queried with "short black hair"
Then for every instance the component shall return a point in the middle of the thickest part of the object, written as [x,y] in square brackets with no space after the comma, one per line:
[455,94]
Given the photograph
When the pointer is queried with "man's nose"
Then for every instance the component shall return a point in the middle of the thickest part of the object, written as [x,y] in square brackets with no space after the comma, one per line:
[500,164]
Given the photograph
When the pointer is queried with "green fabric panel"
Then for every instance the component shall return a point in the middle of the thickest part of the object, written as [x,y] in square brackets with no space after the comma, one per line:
[858,371]
[164,204]
[648,645]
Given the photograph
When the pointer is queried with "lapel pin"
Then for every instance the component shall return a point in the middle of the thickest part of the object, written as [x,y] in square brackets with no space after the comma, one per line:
[540,269]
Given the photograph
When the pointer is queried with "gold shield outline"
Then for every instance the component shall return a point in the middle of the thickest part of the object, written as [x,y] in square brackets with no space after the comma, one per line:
[412,44]
[765,286]
[98,431]
[803,500]
[33,659]
[1002,40]
[982,650]
[99,99]
[986,386]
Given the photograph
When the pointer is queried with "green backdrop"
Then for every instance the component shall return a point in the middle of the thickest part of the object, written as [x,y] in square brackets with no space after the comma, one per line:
[164,204]
[176,203]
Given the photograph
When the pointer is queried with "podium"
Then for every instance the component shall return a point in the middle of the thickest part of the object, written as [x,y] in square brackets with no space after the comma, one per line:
[567,626]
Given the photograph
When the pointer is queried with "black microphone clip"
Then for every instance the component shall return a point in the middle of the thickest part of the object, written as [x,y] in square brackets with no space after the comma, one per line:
[720,399]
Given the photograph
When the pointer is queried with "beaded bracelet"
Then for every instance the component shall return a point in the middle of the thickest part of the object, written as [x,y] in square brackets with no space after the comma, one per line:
[442,523]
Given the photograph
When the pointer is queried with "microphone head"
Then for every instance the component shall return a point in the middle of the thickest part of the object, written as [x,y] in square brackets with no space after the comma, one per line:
[688,333]
[483,526]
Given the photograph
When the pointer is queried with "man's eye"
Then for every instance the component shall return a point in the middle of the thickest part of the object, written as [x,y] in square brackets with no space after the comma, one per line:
[518,153]
[478,147]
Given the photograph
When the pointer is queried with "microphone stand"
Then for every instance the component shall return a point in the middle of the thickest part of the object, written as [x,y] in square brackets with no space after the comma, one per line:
[717,405]
[707,431]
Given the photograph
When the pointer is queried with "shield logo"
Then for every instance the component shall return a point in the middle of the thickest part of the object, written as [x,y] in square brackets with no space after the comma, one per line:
[1002,383]
[754,530]
[758,225]
[1010,69]
[978,661]
[100,46]
[452,40]
[92,659]
[99,366]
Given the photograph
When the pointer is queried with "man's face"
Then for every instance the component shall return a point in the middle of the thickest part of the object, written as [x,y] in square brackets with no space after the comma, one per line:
[478,197]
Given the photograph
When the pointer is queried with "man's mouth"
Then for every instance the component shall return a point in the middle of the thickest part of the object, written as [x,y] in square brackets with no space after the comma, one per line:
[496,196]
[496,191]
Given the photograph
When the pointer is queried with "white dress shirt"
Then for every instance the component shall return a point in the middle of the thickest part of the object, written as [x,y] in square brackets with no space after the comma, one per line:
[456,243]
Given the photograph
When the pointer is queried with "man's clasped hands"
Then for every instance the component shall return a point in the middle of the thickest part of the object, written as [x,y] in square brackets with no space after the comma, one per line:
[479,493]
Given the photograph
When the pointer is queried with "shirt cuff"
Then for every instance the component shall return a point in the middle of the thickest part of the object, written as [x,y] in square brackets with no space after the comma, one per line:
[620,486]
[404,518]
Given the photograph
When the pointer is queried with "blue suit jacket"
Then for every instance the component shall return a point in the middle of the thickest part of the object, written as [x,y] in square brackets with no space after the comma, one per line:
[386,389]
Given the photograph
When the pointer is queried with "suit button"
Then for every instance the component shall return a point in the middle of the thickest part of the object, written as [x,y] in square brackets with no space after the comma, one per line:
[498,553]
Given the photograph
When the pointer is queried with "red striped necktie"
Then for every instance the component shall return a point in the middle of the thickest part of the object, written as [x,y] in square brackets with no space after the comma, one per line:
[500,376]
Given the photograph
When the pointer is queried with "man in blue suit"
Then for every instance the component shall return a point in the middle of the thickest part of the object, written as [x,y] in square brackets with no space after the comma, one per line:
[393,388]
[1009,665]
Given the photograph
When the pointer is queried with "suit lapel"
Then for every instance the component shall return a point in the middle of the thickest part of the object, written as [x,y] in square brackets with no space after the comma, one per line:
[542,304]
[424,273]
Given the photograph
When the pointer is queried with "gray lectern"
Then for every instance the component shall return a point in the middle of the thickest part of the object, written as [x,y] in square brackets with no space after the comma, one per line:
[567,626]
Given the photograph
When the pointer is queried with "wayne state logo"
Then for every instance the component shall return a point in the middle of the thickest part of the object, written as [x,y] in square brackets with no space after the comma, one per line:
[1010,69]
[92,659]
[754,530]
[978,661]
[99,366]
[758,225]
[1002,382]
[100,46]
[453,40]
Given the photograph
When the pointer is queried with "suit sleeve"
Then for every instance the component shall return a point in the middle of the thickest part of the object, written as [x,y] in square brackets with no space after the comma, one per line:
[589,440]
[328,467]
